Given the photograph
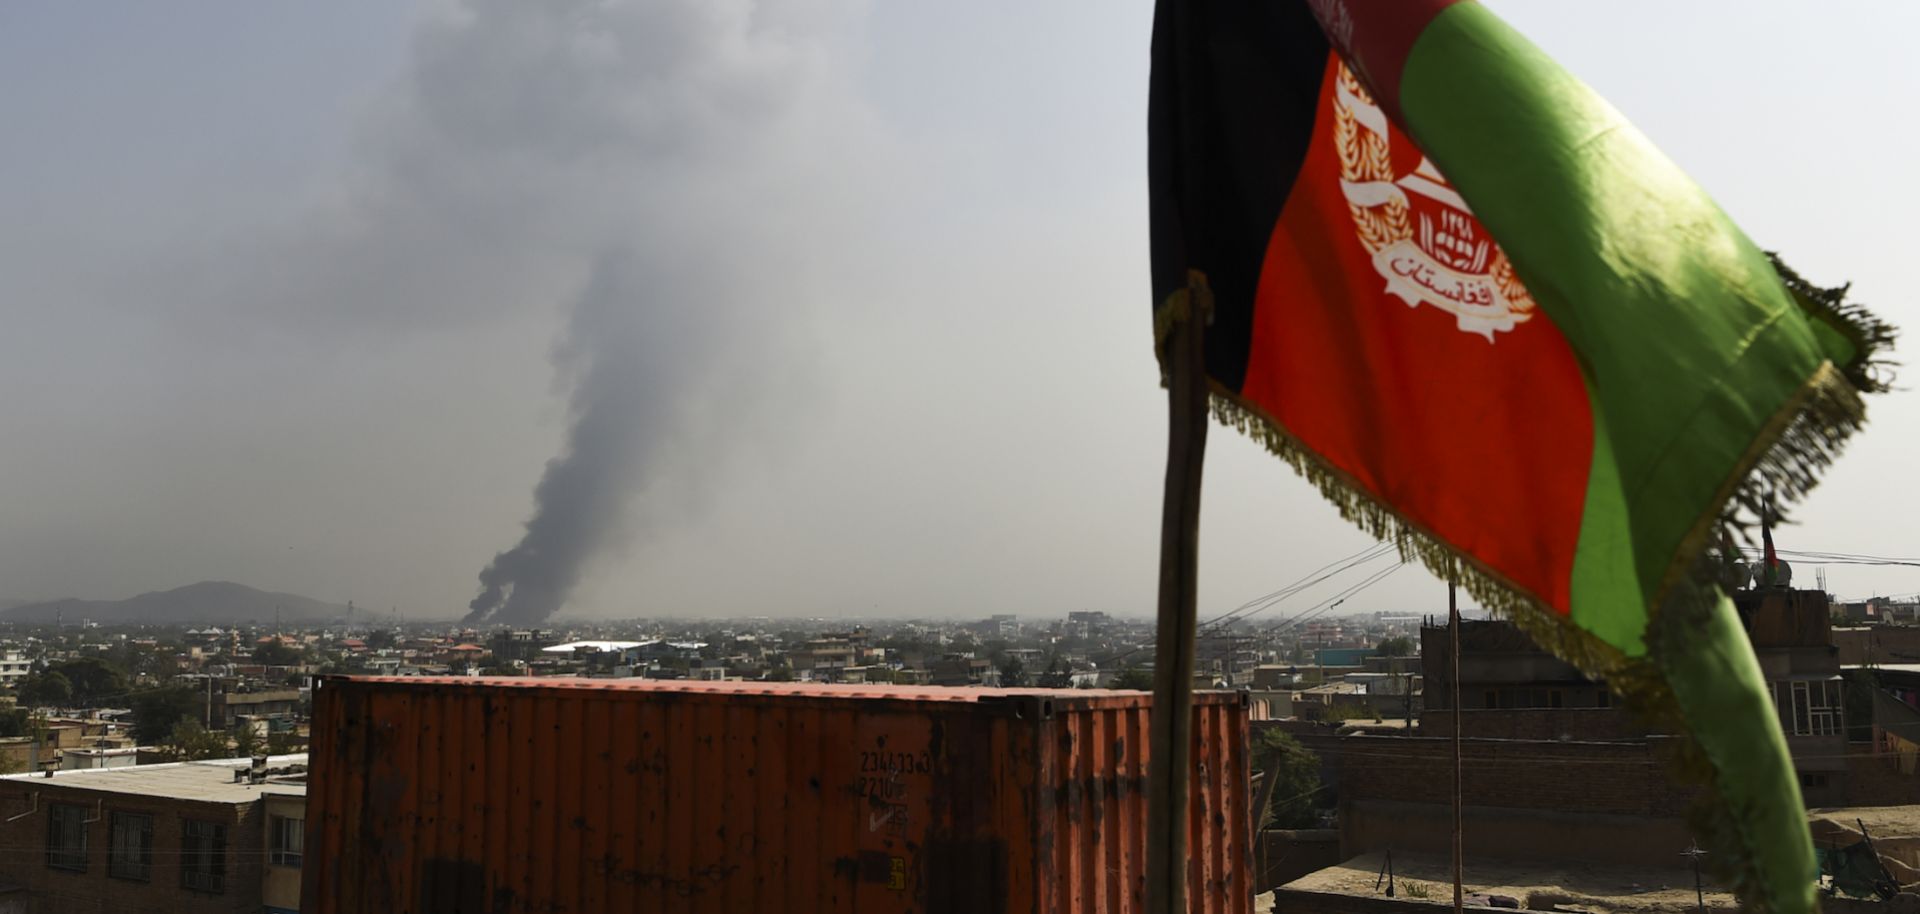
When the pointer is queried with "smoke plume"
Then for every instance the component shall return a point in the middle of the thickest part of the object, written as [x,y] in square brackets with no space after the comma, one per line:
[694,144]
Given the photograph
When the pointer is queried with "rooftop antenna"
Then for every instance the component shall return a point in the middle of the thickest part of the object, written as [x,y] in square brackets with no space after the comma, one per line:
[1694,855]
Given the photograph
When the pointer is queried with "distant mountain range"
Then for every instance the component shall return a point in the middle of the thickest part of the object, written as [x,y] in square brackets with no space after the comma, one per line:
[208,602]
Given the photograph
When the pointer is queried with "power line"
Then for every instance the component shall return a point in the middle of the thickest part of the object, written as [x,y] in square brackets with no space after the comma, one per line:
[1267,601]
[1833,558]
[1308,580]
[1328,604]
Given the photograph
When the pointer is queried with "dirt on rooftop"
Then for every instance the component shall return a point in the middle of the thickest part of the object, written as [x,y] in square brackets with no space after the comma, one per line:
[1537,886]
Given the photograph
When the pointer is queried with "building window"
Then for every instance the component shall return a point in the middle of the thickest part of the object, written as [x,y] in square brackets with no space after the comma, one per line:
[203,856]
[289,836]
[130,851]
[1811,708]
[67,837]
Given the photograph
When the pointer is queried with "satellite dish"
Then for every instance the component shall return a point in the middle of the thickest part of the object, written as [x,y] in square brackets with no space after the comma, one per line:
[1783,574]
[1742,576]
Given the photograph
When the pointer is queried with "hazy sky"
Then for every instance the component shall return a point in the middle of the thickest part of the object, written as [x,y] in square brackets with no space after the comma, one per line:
[295,294]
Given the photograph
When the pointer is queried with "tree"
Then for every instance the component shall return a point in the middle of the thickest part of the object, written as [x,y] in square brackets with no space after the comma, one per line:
[279,742]
[48,688]
[1057,675]
[155,713]
[94,680]
[379,639]
[275,653]
[246,741]
[191,742]
[1013,673]
[1296,791]
[1399,646]
[1133,678]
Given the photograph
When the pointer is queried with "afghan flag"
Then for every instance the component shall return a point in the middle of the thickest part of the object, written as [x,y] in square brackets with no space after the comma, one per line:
[1489,320]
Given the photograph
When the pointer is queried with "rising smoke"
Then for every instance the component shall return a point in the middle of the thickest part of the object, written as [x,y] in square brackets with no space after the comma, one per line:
[711,132]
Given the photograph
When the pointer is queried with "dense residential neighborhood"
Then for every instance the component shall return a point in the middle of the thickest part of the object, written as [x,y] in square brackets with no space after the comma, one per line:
[134,749]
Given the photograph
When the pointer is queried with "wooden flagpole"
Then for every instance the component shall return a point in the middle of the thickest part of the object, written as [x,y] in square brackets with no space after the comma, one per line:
[1453,626]
[1172,718]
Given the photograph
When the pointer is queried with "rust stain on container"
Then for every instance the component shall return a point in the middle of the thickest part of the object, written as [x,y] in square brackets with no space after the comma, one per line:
[517,796]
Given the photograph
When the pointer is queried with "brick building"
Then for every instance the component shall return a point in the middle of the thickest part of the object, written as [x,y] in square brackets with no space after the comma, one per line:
[1502,669]
[1792,635]
[1610,802]
[155,839]
[1511,689]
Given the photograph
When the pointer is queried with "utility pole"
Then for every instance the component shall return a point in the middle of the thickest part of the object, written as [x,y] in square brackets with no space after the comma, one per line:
[1453,624]
[1693,853]
[1406,702]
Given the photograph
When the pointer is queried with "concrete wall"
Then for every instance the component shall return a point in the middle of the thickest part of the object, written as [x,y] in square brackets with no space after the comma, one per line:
[1287,901]
[1782,618]
[1877,645]
[1583,724]
[1288,854]
[1875,779]
[16,753]
[1491,832]
[1630,779]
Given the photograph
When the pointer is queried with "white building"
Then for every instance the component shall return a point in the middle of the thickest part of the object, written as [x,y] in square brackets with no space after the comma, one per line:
[13,668]
[81,759]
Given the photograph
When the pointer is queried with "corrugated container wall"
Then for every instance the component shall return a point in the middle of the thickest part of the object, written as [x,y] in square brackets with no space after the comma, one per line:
[501,796]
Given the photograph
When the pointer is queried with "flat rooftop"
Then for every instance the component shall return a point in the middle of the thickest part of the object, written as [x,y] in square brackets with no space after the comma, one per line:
[209,781]
[1601,889]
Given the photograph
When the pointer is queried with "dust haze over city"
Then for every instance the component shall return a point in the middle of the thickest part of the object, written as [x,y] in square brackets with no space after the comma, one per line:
[687,308]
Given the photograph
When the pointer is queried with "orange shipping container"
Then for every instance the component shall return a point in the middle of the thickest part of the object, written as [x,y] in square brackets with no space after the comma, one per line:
[500,796]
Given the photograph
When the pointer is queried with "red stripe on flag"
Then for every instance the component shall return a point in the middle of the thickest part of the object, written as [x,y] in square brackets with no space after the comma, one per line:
[1452,402]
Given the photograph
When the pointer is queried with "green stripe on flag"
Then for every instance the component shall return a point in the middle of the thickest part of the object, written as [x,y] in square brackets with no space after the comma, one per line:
[1710,370]
[1690,343]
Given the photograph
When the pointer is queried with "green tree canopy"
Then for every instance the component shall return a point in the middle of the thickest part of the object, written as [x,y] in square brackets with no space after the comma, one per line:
[94,679]
[155,713]
[43,689]
[1398,646]
[276,653]
[246,741]
[15,722]
[1058,675]
[191,742]
[1297,794]
[1133,678]
[1013,673]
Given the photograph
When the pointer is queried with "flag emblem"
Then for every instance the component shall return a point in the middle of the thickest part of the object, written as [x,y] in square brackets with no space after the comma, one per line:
[1423,238]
